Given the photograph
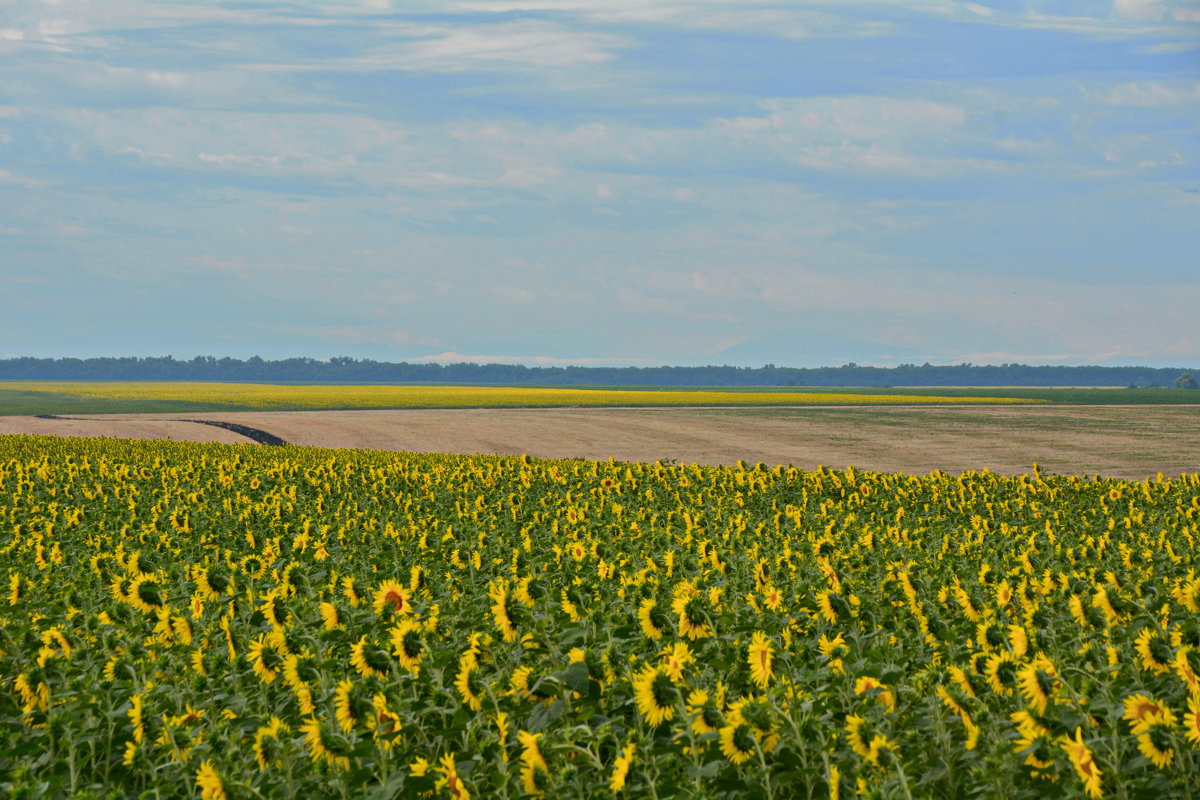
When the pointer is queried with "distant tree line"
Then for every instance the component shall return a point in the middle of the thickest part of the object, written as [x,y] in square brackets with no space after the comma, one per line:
[344,369]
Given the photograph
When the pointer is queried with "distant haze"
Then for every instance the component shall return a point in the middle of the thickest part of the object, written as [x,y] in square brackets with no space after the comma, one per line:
[603,182]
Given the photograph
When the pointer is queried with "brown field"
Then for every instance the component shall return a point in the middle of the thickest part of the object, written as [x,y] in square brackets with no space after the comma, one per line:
[1116,441]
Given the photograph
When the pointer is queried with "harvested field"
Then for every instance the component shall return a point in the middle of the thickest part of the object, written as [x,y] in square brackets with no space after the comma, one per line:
[1117,441]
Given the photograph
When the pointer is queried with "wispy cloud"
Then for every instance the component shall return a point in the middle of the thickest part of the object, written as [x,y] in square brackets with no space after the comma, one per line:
[568,181]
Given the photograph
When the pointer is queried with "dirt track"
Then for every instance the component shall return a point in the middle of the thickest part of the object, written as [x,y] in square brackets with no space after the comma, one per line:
[1121,441]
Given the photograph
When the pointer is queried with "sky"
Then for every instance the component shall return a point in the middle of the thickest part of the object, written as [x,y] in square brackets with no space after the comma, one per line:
[603,182]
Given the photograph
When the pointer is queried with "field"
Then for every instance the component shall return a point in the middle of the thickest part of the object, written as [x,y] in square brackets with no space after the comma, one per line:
[244,621]
[1115,441]
[124,397]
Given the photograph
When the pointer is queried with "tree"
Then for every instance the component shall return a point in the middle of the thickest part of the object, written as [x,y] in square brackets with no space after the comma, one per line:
[1186,381]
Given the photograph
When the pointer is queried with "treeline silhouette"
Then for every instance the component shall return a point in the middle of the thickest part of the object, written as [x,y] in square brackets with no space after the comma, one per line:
[344,369]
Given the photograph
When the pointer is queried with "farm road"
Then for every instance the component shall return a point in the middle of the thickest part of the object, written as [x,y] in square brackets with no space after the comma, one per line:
[1116,441]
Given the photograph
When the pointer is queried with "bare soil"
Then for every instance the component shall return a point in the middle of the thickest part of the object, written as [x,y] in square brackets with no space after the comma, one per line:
[1116,441]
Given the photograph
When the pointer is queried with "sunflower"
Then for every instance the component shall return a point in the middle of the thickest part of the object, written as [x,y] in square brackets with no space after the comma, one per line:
[344,702]
[834,650]
[407,646]
[146,593]
[369,659]
[267,653]
[868,684]
[498,591]
[675,659]
[1191,721]
[387,723]
[772,598]
[267,747]
[329,615]
[466,665]
[1084,764]
[276,615]
[1155,740]
[620,773]
[253,567]
[391,597]
[534,769]
[825,607]
[693,614]
[1154,652]
[519,682]
[857,730]
[1001,672]
[1140,709]
[136,718]
[1035,681]
[759,658]
[1185,667]
[706,718]
[1018,641]
[212,582]
[989,635]
[315,739]
[737,742]
[651,620]
[299,669]
[450,779]
[1033,740]
[655,694]
[209,782]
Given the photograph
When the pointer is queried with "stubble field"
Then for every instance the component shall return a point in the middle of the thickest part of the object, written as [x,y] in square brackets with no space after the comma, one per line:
[1115,441]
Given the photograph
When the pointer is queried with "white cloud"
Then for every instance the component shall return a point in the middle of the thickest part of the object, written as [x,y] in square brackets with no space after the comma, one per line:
[855,133]
[21,180]
[1150,94]
[1173,10]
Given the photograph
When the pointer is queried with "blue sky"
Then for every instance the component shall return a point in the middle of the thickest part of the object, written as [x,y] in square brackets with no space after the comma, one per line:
[603,182]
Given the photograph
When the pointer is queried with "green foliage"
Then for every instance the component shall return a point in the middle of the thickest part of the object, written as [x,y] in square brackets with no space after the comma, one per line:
[186,618]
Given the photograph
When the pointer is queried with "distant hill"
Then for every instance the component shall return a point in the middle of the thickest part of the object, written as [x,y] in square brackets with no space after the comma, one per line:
[350,370]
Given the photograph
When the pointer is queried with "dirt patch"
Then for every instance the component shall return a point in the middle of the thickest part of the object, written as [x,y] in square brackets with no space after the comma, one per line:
[1118,441]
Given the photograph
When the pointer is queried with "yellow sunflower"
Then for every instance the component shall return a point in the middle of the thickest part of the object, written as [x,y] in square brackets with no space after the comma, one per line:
[407,646]
[370,660]
[737,742]
[648,619]
[868,684]
[315,739]
[450,778]
[146,593]
[1084,764]
[675,659]
[1001,672]
[706,718]
[1154,652]
[391,597]
[1191,721]
[1140,709]
[267,750]
[466,665]
[534,770]
[498,591]
[1155,740]
[1035,681]
[759,658]
[655,694]
[620,773]
[267,653]
[208,781]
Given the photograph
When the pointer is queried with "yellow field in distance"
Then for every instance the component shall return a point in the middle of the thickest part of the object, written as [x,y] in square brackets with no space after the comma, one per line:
[266,396]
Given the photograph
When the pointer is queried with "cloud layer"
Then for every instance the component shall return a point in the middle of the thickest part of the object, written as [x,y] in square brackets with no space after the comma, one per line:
[570,181]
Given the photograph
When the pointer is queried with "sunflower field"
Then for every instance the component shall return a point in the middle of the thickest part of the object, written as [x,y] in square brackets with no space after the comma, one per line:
[217,621]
